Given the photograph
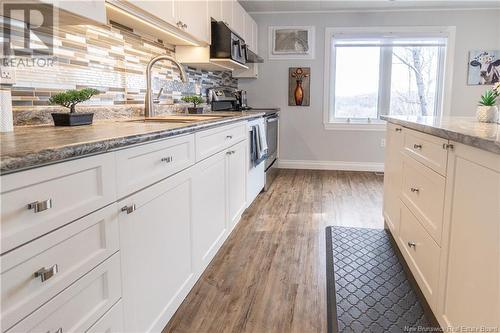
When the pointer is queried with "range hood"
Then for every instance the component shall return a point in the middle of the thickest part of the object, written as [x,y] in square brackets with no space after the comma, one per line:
[253,58]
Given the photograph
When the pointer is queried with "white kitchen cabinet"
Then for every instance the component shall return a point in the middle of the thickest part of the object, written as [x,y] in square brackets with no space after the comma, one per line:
[155,240]
[209,208]
[470,274]
[215,10]
[94,10]
[227,12]
[193,18]
[236,172]
[239,14]
[164,10]
[393,177]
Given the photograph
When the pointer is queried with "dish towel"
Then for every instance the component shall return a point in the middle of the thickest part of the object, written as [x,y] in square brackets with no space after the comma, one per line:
[258,145]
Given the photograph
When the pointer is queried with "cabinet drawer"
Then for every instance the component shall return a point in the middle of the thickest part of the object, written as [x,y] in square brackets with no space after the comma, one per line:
[71,251]
[141,166]
[427,149]
[78,307]
[214,140]
[421,254]
[423,192]
[111,322]
[64,192]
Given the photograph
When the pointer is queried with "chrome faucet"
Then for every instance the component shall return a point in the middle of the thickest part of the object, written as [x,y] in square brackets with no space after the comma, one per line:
[149,110]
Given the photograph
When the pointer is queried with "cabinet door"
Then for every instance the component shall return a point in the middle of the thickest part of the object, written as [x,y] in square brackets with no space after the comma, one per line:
[227,11]
[470,264]
[215,10]
[194,17]
[162,9]
[248,36]
[255,34]
[209,208]
[90,9]
[156,252]
[239,14]
[392,176]
[237,165]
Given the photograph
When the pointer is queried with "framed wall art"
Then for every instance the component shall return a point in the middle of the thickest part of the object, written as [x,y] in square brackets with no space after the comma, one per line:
[484,67]
[291,42]
[299,86]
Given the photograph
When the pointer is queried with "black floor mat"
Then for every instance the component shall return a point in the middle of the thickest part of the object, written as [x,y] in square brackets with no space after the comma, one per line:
[368,290]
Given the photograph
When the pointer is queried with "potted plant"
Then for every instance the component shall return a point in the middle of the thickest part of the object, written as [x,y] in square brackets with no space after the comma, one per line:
[70,99]
[487,110]
[196,100]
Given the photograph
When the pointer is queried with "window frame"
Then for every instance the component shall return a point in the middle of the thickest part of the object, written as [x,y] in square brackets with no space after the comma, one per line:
[443,101]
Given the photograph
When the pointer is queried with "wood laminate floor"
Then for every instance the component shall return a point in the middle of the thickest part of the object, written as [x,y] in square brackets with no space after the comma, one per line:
[269,276]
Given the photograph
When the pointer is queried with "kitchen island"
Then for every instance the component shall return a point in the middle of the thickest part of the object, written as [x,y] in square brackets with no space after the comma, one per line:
[442,206]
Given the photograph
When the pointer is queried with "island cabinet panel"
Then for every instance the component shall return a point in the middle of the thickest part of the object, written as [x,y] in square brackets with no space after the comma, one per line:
[37,201]
[470,274]
[392,177]
[155,240]
[209,208]
[427,149]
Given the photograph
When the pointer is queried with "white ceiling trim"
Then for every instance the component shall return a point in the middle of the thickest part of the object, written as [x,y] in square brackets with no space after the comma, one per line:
[361,10]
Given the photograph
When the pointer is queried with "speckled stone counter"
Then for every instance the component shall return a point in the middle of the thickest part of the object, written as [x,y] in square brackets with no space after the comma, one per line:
[466,130]
[33,146]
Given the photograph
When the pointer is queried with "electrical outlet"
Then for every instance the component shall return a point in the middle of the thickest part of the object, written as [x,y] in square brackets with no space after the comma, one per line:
[382,143]
[7,75]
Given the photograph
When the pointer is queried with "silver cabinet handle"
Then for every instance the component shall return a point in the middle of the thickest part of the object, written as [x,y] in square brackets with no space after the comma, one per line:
[229,137]
[179,24]
[184,26]
[59,330]
[129,209]
[40,206]
[398,129]
[412,244]
[415,190]
[167,159]
[415,146]
[231,152]
[46,273]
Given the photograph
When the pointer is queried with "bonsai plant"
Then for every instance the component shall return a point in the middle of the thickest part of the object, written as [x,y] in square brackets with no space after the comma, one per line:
[70,99]
[487,111]
[196,100]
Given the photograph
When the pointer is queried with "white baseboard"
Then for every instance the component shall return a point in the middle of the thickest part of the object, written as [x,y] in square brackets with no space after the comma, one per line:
[331,165]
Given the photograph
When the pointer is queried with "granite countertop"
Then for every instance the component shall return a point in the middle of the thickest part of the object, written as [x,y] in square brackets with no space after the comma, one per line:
[466,130]
[34,146]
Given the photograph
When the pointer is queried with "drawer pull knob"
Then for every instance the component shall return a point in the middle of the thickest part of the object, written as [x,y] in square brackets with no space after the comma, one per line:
[167,159]
[46,273]
[418,147]
[231,152]
[40,206]
[398,129]
[229,137]
[412,244]
[415,190]
[129,209]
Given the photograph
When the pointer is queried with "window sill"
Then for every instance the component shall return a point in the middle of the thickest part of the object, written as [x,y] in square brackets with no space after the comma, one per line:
[353,126]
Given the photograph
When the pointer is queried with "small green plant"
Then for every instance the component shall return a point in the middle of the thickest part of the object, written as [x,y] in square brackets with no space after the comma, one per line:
[70,98]
[489,98]
[196,100]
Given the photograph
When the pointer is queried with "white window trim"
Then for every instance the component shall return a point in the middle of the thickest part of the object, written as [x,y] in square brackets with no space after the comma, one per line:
[374,125]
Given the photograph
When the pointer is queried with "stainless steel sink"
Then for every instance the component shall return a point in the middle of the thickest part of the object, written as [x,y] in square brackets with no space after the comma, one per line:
[178,119]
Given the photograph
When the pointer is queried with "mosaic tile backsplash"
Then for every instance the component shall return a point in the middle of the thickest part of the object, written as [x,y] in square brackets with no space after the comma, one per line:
[113,60]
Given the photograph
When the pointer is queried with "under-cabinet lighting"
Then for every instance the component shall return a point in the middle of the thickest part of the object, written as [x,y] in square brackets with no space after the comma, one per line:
[113,7]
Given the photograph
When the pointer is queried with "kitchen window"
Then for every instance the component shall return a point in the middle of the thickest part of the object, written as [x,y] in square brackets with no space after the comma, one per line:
[383,72]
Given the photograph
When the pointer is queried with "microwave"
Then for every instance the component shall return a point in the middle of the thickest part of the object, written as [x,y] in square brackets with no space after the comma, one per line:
[226,44]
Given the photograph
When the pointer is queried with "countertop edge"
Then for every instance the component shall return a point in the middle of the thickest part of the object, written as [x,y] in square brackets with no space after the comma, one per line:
[448,134]
[14,164]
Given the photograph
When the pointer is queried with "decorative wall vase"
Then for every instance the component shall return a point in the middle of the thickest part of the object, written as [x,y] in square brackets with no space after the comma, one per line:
[487,114]
[299,86]
[299,93]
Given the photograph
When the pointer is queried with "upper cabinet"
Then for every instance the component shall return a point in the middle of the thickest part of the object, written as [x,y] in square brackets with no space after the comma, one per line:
[162,9]
[227,11]
[250,34]
[192,17]
[90,9]
[239,14]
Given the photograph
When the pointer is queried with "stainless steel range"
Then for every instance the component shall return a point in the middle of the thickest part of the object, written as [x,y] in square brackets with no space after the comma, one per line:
[231,99]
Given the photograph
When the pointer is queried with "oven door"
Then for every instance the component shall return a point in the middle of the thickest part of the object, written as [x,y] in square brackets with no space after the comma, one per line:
[272,139]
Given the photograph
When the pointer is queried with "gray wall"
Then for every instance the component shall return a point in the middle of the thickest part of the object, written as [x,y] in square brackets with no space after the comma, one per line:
[302,135]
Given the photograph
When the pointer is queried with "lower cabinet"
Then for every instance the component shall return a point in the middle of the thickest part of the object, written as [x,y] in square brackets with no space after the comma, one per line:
[470,261]
[237,176]
[155,240]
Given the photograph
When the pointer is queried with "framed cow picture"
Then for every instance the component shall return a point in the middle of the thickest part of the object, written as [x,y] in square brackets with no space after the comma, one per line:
[484,67]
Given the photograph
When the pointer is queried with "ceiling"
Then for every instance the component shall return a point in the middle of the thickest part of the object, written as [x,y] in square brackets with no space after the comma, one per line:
[255,6]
